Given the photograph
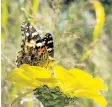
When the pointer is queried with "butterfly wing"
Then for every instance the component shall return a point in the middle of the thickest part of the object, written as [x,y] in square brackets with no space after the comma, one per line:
[34,50]
[29,34]
[48,41]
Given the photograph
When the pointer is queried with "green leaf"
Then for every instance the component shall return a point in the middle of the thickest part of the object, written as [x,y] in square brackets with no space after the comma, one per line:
[21,96]
[35,5]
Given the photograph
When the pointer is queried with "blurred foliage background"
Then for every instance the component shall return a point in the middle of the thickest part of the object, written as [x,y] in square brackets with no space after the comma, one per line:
[71,23]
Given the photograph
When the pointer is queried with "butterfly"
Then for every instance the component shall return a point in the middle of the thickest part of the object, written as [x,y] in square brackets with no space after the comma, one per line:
[34,49]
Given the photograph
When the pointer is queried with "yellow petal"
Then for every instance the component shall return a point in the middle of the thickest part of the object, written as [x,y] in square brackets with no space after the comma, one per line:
[18,76]
[92,94]
[80,75]
[36,72]
[31,76]
[86,92]
[86,80]
[62,74]
[97,84]
[40,74]
[100,100]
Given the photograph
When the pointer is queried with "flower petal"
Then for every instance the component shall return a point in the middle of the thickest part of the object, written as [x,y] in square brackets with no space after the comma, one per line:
[31,76]
[34,71]
[92,94]
[79,74]
[62,74]
[100,100]
[17,75]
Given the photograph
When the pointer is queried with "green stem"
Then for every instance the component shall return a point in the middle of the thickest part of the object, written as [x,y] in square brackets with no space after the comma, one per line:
[21,96]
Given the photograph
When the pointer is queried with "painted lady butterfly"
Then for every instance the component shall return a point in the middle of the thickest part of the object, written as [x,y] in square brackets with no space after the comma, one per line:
[34,49]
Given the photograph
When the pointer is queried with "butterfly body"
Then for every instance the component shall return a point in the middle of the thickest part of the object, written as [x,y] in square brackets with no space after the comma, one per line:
[34,49]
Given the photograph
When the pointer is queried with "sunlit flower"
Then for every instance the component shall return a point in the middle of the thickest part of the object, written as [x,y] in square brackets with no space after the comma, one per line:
[73,82]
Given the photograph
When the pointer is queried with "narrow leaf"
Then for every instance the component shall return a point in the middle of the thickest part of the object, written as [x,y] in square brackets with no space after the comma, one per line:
[21,96]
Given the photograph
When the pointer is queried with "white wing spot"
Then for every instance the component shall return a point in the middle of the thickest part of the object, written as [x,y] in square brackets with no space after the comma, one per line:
[49,49]
[49,36]
[30,26]
[50,41]
[35,33]
[27,34]
[44,42]
[39,44]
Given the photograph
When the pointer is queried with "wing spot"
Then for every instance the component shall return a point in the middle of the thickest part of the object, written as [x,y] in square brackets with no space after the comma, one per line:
[30,26]
[44,42]
[49,49]
[39,44]
[50,41]
[27,34]
[35,33]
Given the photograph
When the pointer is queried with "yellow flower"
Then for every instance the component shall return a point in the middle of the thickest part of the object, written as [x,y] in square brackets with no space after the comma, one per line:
[73,82]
